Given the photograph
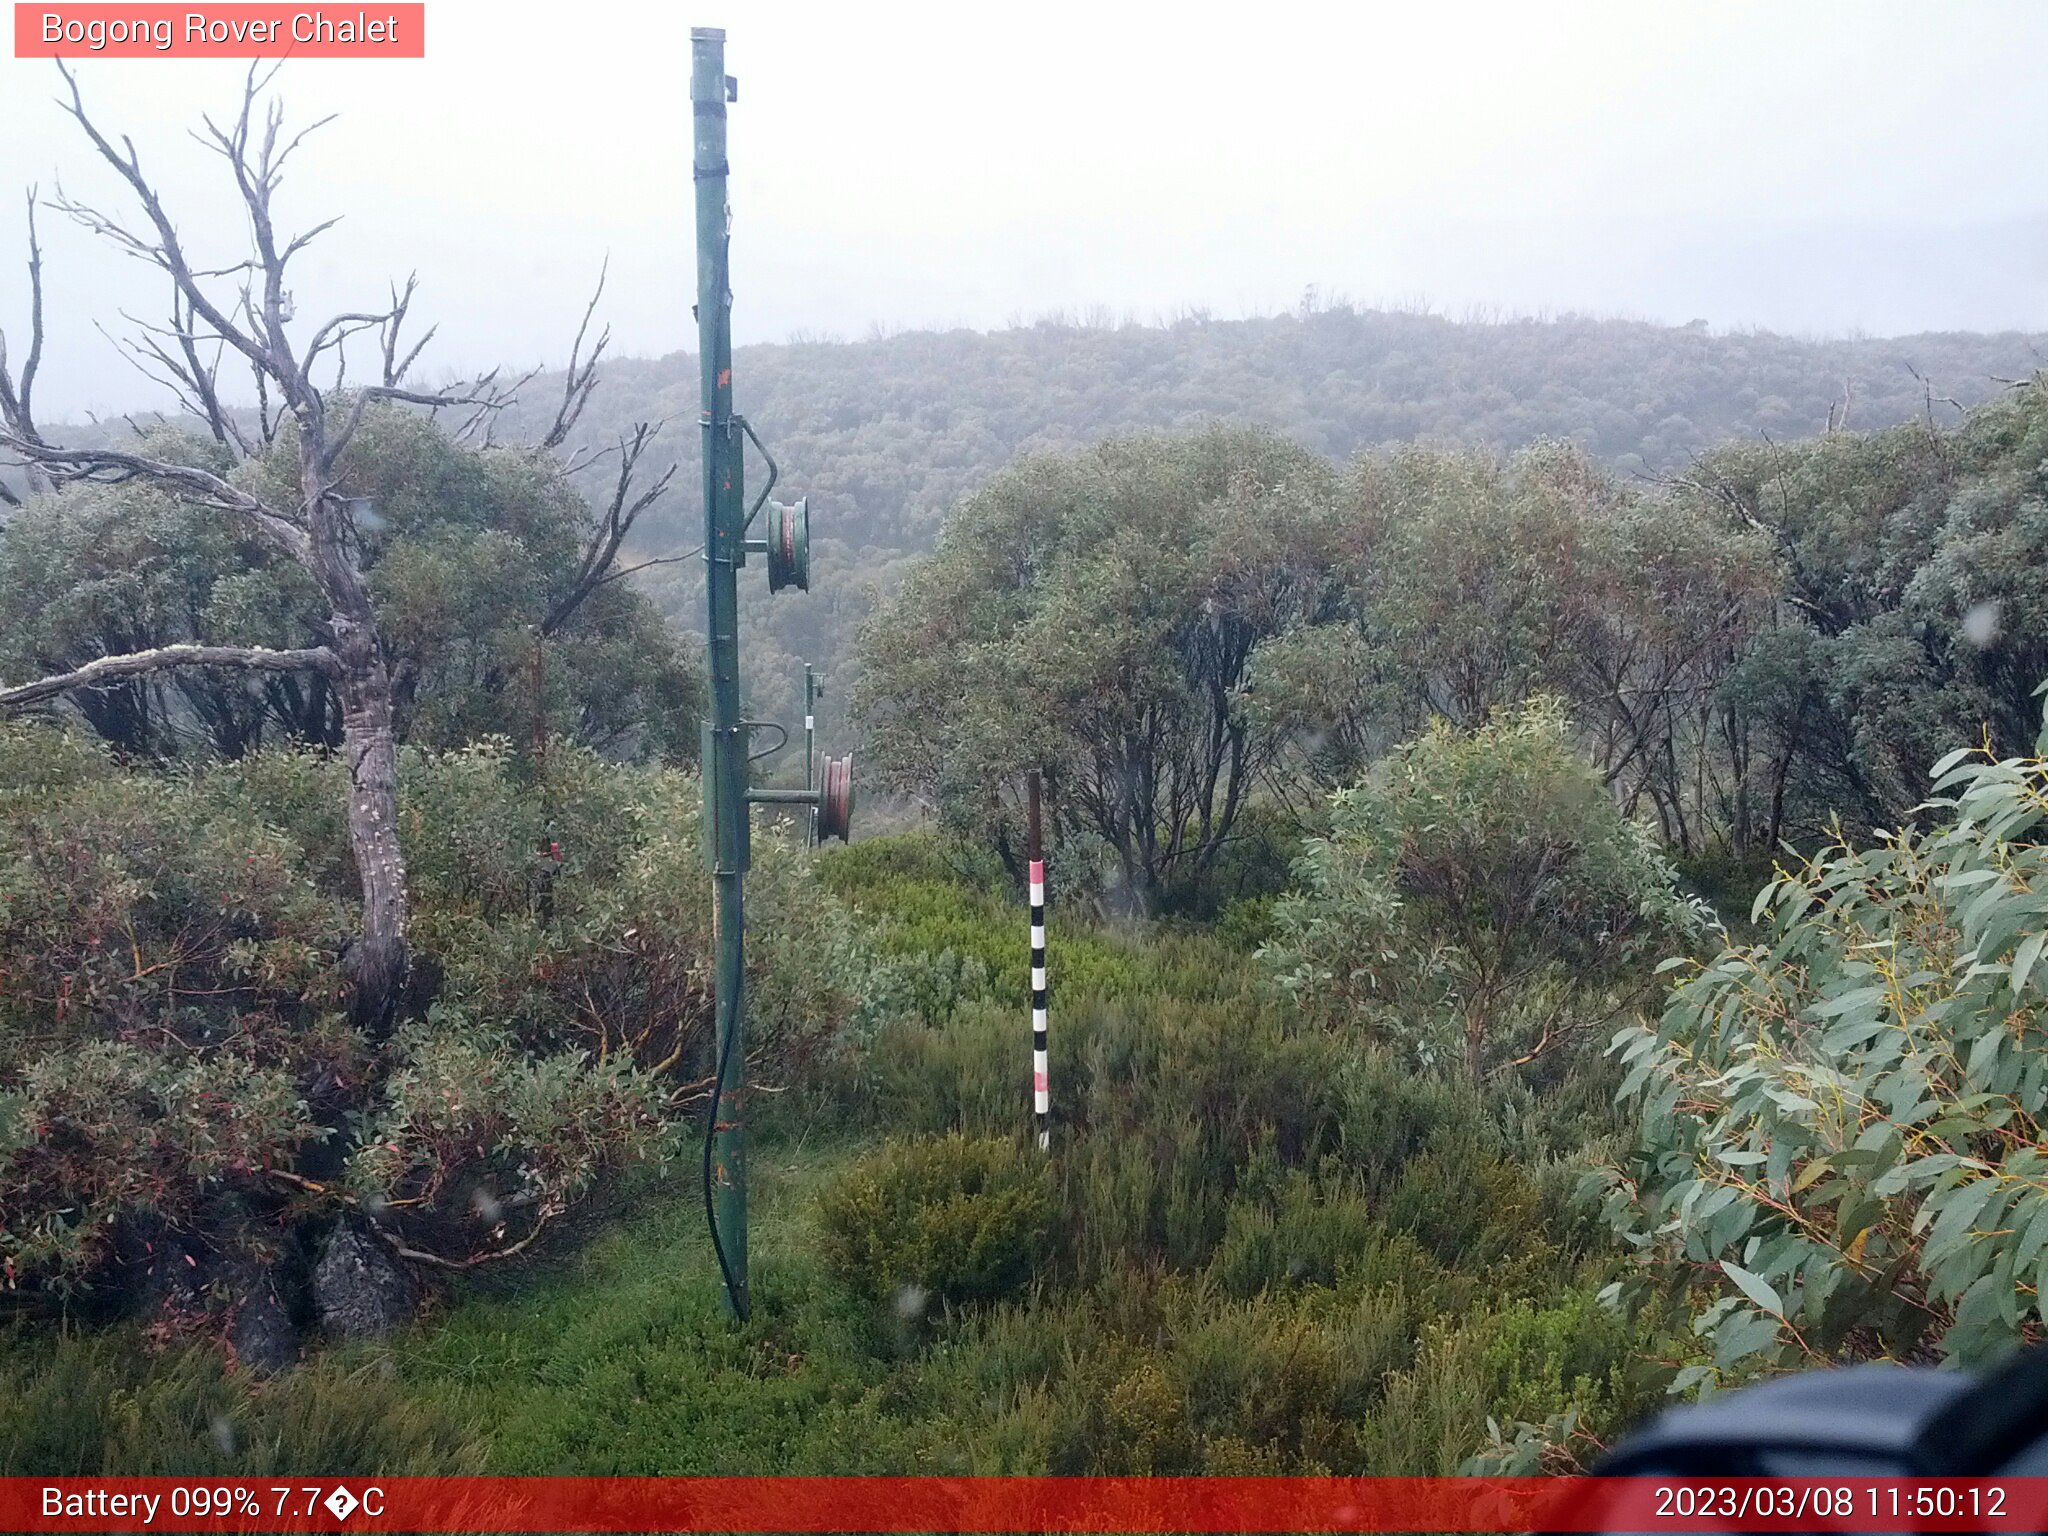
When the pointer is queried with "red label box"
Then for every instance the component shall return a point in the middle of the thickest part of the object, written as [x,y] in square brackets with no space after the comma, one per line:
[231,31]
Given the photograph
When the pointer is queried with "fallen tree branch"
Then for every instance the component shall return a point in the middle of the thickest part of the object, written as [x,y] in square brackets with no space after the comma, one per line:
[548,1213]
[491,1256]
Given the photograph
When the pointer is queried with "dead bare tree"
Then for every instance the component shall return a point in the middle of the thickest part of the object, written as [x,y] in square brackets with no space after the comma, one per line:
[245,311]
[17,400]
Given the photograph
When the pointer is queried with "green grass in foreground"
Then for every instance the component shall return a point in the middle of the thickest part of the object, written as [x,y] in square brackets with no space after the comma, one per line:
[621,1360]
[615,1359]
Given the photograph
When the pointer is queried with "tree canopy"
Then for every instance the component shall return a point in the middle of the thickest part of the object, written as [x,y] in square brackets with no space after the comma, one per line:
[889,433]
[471,551]
[1092,616]
[1776,640]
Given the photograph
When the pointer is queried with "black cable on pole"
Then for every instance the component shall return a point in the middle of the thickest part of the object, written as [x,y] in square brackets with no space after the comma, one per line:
[741,1303]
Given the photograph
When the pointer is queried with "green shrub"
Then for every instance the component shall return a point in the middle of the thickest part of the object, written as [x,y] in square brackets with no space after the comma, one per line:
[1309,1234]
[1388,1114]
[1154,1194]
[1461,876]
[172,1046]
[1247,923]
[1845,1124]
[168,989]
[1726,880]
[1253,866]
[923,857]
[950,929]
[1576,1353]
[951,1221]
[1164,1374]
[1473,1212]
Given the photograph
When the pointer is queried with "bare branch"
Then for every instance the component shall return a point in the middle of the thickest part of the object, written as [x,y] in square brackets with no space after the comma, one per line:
[17,397]
[113,669]
[582,375]
[203,377]
[622,572]
[487,401]
[168,252]
[134,353]
[112,467]
[338,329]
[299,242]
[396,367]
[601,549]
[191,380]
[256,184]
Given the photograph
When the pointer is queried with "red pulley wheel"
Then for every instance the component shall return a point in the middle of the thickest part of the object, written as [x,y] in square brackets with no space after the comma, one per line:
[789,546]
[835,799]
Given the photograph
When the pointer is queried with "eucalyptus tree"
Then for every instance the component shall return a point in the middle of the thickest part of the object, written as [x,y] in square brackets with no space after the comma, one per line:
[1093,616]
[1844,1124]
[1913,607]
[280,477]
[474,552]
[1467,582]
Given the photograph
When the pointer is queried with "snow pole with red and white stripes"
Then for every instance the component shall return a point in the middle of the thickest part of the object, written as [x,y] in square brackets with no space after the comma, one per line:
[1041,1090]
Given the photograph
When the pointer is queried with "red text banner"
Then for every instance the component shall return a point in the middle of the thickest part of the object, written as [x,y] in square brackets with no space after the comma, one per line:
[229,31]
[1019,1504]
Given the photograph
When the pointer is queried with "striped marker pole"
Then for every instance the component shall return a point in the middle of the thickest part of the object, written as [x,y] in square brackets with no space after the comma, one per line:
[1041,1091]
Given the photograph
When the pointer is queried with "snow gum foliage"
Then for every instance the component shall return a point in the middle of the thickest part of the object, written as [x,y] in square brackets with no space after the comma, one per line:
[1093,616]
[1478,895]
[468,552]
[1845,1124]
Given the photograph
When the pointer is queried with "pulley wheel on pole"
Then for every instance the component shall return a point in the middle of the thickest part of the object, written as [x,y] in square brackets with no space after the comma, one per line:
[789,545]
[835,799]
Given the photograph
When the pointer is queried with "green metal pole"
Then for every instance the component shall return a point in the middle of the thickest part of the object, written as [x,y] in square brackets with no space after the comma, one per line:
[725,756]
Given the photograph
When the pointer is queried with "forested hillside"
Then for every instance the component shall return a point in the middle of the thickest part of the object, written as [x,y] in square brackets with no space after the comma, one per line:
[887,434]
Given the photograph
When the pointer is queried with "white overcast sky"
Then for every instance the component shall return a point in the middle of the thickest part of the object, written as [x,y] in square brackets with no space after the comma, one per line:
[1813,167]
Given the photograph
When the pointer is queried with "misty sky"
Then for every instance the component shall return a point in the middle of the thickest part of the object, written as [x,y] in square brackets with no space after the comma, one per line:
[1809,167]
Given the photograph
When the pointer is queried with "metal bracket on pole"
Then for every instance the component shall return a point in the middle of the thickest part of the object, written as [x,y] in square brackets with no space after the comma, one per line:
[828,794]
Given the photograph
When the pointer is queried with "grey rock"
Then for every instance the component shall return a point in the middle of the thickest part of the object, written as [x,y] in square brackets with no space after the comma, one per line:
[361,1289]
[263,1337]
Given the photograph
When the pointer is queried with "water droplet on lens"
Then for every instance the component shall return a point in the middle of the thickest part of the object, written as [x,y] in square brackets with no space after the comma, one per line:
[1980,624]
[910,1301]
